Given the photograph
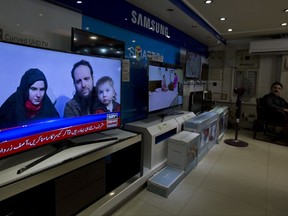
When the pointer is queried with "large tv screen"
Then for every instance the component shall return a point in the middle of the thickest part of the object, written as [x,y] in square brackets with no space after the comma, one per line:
[165,86]
[86,42]
[134,106]
[196,102]
[48,96]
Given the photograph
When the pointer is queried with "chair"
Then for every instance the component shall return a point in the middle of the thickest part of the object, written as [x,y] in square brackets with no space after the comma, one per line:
[267,117]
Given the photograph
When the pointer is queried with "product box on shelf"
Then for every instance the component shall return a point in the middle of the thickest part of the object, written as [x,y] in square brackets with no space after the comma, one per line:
[222,121]
[213,129]
[165,181]
[183,150]
[205,125]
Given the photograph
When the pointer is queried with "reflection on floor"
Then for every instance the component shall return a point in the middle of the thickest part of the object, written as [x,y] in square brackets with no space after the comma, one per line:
[249,181]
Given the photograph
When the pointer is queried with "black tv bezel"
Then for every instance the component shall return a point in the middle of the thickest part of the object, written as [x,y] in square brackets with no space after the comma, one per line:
[199,96]
[35,135]
[168,66]
[90,46]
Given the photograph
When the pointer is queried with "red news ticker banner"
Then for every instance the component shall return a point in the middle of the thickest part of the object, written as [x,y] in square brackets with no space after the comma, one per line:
[22,144]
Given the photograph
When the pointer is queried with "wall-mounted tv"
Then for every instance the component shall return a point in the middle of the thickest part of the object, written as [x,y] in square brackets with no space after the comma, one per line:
[40,103]
[86,42]
[193,66]
[165,86]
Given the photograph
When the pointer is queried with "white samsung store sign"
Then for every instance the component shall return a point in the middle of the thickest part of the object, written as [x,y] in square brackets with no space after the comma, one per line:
[149,23]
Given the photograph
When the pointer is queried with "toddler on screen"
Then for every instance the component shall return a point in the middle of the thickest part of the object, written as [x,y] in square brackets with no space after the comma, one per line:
[106,95]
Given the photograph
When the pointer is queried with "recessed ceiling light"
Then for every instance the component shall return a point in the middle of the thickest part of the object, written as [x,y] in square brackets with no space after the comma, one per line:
[230,30]
[79,2]
[222,18]
[286,10]
[284,24]
[208,1]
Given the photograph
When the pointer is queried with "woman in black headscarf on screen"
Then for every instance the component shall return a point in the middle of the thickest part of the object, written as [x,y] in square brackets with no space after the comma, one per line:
[30,103]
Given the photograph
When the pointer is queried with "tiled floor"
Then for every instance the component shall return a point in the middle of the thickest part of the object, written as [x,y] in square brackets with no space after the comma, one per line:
[243,181]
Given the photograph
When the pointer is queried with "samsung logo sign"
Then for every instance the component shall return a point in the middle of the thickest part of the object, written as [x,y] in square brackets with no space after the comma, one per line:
[151,24]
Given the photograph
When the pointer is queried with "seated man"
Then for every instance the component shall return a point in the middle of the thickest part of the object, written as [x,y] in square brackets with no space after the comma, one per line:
[277,107]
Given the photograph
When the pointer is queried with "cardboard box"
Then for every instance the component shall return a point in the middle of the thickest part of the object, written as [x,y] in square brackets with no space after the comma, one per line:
[204,124]
[221,122]
[165,181]
[183,149]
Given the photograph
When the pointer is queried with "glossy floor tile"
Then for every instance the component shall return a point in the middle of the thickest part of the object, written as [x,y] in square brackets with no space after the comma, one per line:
[229,180]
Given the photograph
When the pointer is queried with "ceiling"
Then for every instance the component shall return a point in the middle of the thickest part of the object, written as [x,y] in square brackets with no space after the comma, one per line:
[249,19]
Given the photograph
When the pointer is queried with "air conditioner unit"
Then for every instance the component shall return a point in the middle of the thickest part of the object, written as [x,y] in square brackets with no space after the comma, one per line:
[272,46]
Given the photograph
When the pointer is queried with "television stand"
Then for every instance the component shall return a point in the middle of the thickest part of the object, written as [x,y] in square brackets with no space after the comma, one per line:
[88,172]
[170,113]
[68,144]
[155,133]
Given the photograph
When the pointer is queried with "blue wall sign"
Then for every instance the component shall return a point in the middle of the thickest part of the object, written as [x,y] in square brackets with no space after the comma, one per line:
[125,15]
[137,46]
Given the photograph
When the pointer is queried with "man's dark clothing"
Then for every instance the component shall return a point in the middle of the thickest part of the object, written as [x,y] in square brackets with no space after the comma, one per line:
[79,106]
[272,101]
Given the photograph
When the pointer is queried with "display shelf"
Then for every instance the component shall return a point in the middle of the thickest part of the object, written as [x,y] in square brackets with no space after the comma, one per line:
[88,168]
[184,117]
[155,131]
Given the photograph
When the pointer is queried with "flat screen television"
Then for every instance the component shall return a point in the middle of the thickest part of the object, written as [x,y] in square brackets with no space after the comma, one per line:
[165,86]
[134,100]
[196,102]
[193,66]
[18,134]
[135,105]
[86,42]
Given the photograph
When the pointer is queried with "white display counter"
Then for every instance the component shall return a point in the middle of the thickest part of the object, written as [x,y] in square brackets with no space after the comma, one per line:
[85,172]
[155,131]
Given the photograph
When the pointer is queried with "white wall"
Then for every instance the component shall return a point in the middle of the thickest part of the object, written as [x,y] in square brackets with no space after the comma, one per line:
[38,20]
[269,71]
